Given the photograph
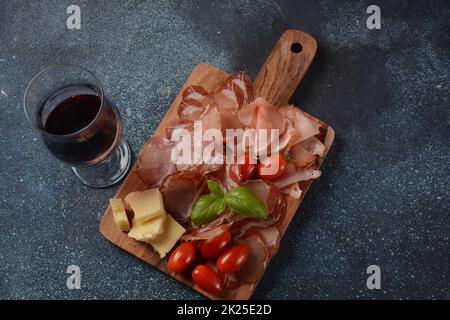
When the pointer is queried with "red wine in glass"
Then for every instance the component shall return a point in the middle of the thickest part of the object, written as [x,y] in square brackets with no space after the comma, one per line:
[72,115]
[79,126]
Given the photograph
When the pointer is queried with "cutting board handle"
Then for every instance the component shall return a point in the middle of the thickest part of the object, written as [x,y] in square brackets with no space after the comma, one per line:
[285,67]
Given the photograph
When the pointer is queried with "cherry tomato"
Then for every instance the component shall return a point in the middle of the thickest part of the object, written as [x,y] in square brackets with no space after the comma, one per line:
[247,169]
[207,279]
[275,163]
[233,258]
[212,248]
[182,257]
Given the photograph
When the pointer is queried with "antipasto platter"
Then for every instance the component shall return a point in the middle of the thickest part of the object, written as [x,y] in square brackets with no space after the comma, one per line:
[215,222]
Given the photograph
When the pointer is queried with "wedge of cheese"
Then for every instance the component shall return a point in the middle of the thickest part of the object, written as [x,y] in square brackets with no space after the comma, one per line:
[146,205]
[167,239]
[119,214]
[147,230]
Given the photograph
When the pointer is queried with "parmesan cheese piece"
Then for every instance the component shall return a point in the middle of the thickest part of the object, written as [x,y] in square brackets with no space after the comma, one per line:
[166,240]
[146,205]
[148,230]
[119,214]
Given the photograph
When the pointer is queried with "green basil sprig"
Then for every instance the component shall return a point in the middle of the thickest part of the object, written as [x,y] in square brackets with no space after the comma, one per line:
[244,201]
[239,199]
[215,188]
[207,208]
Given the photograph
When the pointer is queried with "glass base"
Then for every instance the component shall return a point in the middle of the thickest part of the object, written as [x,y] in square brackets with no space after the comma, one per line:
[108,172]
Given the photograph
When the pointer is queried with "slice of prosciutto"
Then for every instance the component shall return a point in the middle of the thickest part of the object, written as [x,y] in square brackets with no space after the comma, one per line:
[258,258]
[234,92]
[195,99]
[304,126]
[229,96]
[293,190]
[197,152]
[210,230]
[244,82]
[174,124]
[303,154]
[293,175]
[264,119]
[271,237]
[262,115]
[196,93]
[154,162]
[179,191]
[230,280]
[210,118]
[229,119]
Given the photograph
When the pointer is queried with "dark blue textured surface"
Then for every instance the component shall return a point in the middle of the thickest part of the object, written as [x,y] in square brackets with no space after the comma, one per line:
[384,195]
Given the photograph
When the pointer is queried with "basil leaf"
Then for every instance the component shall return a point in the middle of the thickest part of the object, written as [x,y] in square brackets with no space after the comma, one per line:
[207,208]
[215,188]
[244,201]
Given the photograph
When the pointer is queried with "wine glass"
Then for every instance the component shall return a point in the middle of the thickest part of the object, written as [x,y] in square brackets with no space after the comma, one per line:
[79,126]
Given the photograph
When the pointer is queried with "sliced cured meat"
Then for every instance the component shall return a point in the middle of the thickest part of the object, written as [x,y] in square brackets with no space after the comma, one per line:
[271,114]
[232,177]
[206,232]
[229,96]
[257,260]
[190,109]
[147,155]
[243,81]
[229,119]
[185,153]
[305,127]
[153,176]
[234,92]
[195,99]
[179,124]
[230,280]
[212,141]
[272,238]
[211,229]
[247,115]
[202,169]
[303,154]
[180,190]
[285,139]
[293,175]
[205,169]
[263,118]
[293,190]
[200,152]
[280,212]
[262,115]
[154,162]
[196,93]
[210,118]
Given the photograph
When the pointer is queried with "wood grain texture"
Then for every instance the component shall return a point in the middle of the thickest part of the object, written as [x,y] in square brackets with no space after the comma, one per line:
[284,68]
[210,77]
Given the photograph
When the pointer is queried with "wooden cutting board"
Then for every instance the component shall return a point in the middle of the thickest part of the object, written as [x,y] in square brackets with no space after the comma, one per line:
[276,82]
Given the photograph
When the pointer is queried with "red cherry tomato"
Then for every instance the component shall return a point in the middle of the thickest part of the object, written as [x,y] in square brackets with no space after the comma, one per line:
[233,258]
[275,164]
[212,248]
[207,279]
[182,257]
[248,168]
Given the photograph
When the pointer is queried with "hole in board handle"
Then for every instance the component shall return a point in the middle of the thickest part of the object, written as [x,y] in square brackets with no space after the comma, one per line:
[296,47]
